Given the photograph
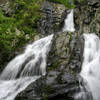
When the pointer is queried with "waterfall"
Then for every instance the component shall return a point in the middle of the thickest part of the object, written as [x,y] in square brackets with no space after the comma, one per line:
[24,69]
[91,64]
[69,23]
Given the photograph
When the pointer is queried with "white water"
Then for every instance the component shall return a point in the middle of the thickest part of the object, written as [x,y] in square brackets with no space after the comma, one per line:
[91,64]
[24,69]
[69,23]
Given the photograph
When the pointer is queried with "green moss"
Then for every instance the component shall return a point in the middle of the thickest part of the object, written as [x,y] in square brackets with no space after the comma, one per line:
[59,78]
[55,65]
[44,97]
[48,90]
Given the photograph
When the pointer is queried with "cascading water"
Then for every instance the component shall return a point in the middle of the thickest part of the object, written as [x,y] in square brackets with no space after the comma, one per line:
[69,23]
[24,69]
[91,64]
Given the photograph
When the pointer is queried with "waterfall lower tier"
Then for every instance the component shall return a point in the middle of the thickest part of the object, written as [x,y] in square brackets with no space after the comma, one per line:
[10,88]
[91,64]
[24,69]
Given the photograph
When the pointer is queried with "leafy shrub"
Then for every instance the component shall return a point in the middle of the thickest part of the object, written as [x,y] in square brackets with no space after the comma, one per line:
[13,29]
[27,14]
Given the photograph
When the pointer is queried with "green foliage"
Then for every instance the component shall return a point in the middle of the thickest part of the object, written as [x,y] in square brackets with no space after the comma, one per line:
[15,28]
[27,15]
[68,3]
[9,40]
[5,26]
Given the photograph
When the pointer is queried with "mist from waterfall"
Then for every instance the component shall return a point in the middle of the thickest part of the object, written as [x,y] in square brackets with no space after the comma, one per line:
[24,69]
[91,64]
[69,22]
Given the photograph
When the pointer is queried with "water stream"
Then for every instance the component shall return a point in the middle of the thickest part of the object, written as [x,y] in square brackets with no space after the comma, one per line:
[69,22]
[91,64]
[24,69]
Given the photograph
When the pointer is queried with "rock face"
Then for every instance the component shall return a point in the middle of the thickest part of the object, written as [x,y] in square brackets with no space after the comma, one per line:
[51,17]
[87,17]
[48,18]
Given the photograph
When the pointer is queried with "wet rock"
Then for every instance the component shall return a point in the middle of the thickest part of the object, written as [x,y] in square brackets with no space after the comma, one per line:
[52,87]
[56,85]
[86,17]
[76,53]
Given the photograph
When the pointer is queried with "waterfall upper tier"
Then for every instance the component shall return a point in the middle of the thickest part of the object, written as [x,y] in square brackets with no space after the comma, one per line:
[69,23]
